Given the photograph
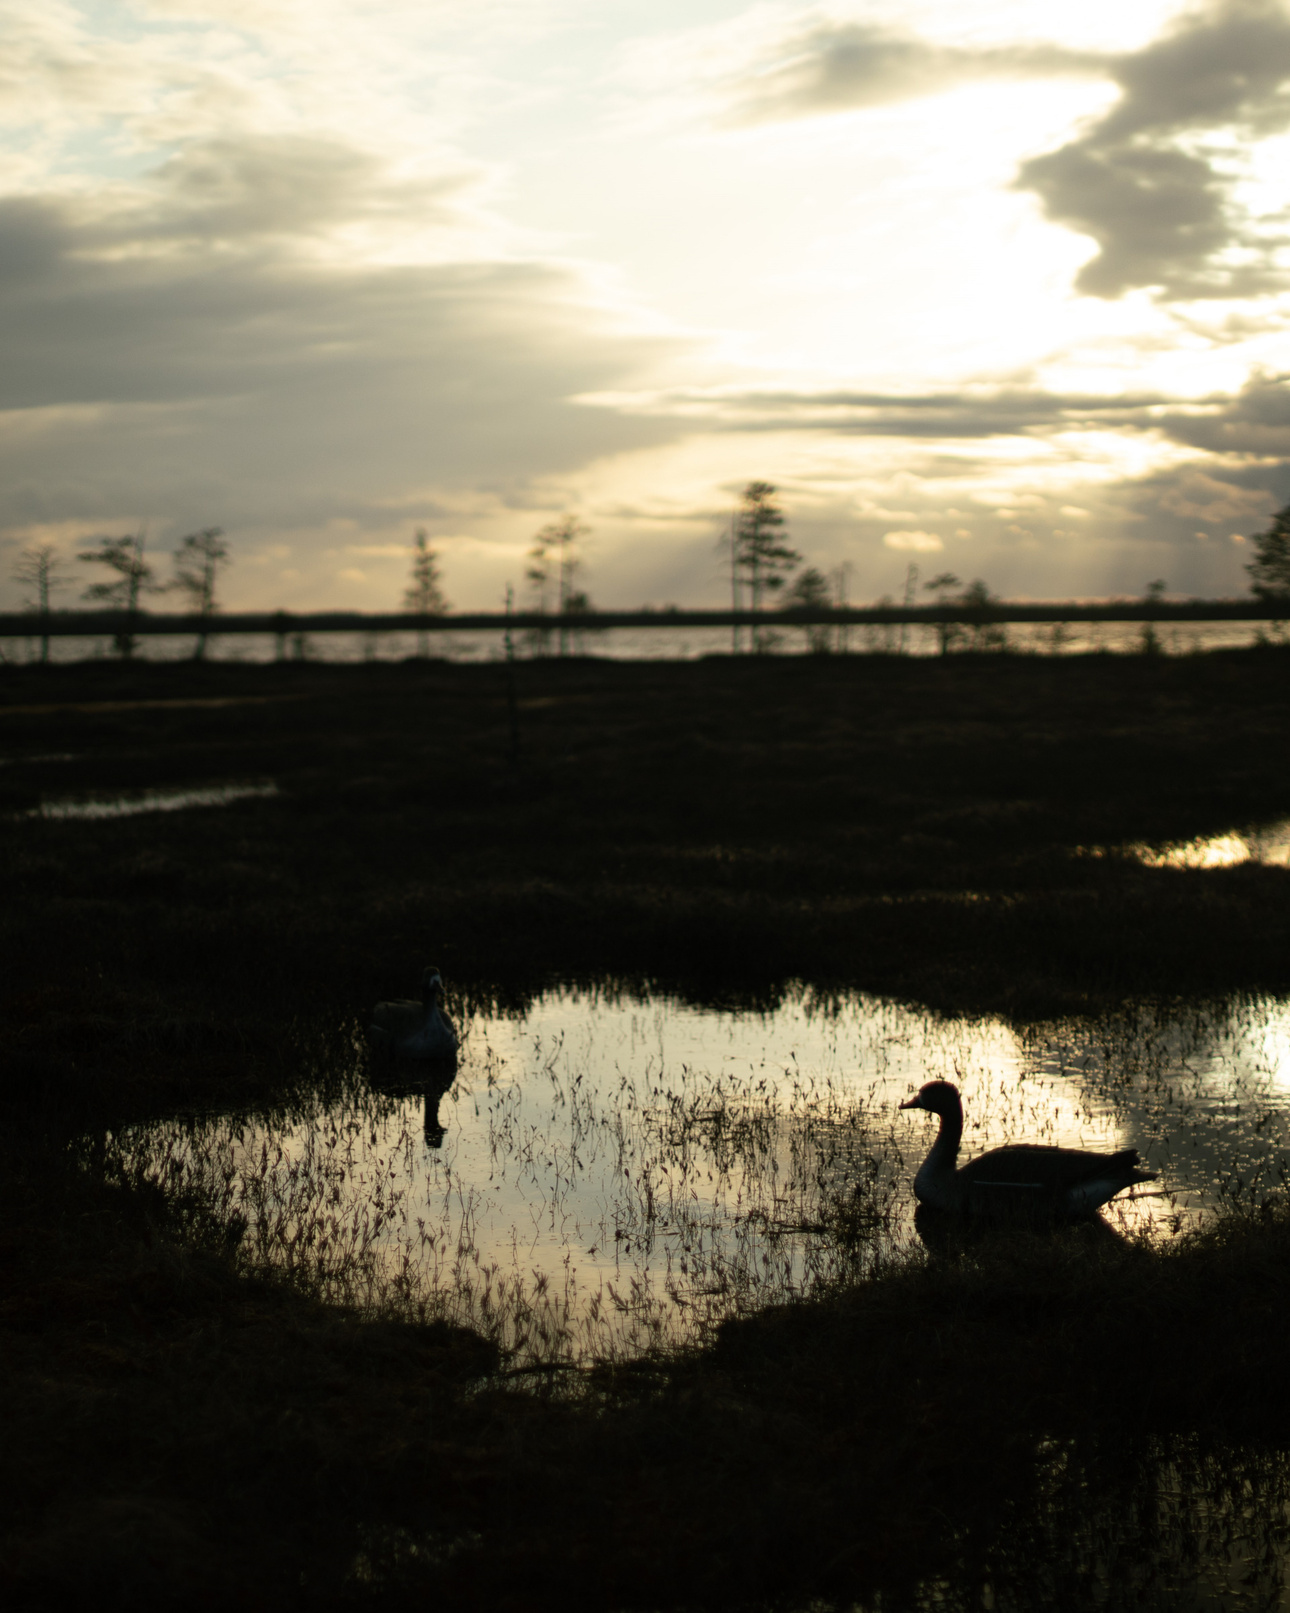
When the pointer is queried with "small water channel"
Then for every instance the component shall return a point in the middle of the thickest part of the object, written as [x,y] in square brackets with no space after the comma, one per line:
[604,1173]
[131,806]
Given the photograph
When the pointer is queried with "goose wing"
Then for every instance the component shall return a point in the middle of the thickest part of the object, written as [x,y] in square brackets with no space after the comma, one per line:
[1066,1178]
[433,1037]
[397,1019]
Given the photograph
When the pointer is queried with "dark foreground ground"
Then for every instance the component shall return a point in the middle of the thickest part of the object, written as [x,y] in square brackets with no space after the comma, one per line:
[1060,1421]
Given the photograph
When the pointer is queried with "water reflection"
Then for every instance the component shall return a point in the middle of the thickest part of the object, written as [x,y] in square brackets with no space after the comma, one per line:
[1270,846]
[429,1080]
[668,642]
[128,806]
[1154,1523]
[603,1173]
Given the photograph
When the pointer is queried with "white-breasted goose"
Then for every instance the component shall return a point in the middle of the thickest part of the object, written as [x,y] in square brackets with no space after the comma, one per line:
[415,1030]
[1022,1179]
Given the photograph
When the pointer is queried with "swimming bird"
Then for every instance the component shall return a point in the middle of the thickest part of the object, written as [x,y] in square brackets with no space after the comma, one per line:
[415,1030]
[1022,1179]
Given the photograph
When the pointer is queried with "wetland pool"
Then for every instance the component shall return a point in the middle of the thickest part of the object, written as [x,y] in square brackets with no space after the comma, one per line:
[603,1173]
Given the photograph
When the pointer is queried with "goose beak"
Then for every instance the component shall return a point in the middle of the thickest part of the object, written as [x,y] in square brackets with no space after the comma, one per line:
[912,1103]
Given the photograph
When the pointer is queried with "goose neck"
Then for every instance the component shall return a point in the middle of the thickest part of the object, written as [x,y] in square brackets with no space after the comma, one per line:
[945,1150]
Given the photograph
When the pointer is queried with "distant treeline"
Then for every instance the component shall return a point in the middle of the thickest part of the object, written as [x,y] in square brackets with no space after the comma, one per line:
[761,565]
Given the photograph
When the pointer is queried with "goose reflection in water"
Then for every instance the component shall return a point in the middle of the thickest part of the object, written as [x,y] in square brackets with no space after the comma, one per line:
[428,1078]
[416,1051]
[946,1236]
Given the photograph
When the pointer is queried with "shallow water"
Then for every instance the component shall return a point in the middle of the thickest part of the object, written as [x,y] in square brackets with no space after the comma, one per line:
[129,806]
[604,1173]
[664,642]
[1269,845]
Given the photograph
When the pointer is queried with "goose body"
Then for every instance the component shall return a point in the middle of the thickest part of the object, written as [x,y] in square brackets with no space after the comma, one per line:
[1022,1179]
[415,1030]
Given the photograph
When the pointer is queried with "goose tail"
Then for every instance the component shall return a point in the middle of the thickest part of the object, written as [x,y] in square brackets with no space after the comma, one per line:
[1113,1175]
[1129,1161]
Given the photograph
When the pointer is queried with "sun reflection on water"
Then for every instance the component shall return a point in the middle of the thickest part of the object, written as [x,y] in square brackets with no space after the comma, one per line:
[604,1173]
[1270,846]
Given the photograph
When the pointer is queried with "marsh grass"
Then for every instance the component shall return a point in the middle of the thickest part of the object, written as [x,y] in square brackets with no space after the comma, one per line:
[338,1194]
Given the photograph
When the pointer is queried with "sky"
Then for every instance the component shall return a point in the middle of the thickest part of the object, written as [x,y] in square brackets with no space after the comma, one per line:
[993,287]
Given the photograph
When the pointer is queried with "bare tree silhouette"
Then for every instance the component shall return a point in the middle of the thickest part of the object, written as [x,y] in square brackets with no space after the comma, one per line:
[760,553]
[554,563]
[948,632]
[1270,569]
[810,589]
[424,593]
[40,566]
[198,561]
[134,576]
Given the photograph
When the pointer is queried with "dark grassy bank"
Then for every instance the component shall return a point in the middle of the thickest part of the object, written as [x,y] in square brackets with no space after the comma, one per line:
[182,1432]
[1055,1423]
[717,829]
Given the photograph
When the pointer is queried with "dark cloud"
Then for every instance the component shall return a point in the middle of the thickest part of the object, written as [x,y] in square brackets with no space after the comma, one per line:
[1141,182]
[1224,64]
[180,349]
[283,186]
[1145,181]
[830,67]
[976,412]
[1166,507]
[1159,218]
[1254,424]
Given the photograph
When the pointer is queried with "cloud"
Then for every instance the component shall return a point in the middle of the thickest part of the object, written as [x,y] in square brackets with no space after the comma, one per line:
[915,542]
[1165,504]
[1255,423]
[53,70]
[181,347]
[1146,183]
[970,412]
[283,186]
[1251,424]
[833,66]
[1153,182]
[246,279]
[1200,497]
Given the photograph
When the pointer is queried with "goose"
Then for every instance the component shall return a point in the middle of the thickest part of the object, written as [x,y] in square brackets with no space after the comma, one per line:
[1025,1179]
[415,1030]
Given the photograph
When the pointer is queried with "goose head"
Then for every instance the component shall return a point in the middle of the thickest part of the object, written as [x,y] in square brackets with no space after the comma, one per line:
[431,986]
[941,1097]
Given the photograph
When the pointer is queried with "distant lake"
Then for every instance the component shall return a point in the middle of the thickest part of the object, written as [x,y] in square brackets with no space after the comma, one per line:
[660,643]
[604,1172]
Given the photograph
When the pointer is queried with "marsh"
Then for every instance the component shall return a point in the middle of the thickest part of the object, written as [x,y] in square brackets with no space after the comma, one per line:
[700,937]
